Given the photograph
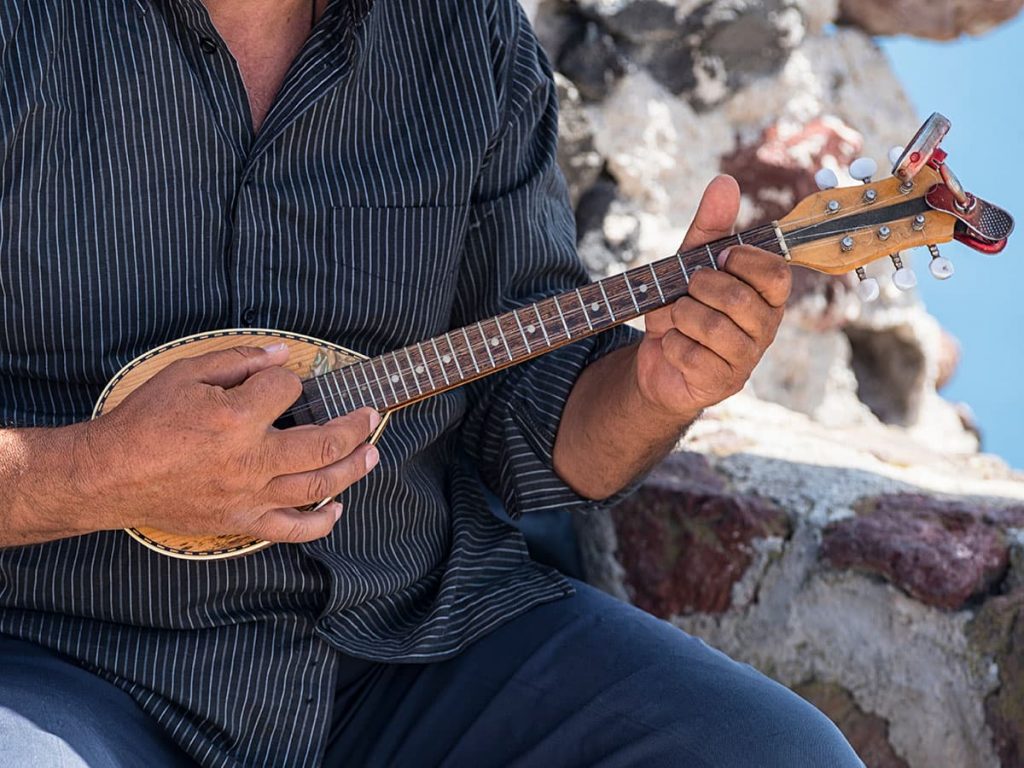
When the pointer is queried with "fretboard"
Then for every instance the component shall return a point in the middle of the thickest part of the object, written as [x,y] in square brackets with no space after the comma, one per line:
[404,376]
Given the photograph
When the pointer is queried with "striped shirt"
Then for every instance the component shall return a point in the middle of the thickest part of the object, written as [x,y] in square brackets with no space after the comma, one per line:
[403,183]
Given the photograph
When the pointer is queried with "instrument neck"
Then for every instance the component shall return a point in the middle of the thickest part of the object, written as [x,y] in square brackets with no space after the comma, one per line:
[396,379]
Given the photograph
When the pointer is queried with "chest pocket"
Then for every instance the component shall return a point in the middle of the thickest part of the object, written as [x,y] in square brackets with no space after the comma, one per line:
[397,267]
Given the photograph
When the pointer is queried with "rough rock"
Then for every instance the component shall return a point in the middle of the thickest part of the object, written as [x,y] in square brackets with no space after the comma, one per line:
[944,553]
[580,163]
[868,734]
[685,541]
[703,50]
[934,19]
[998,630]
[833,524]
[911,664]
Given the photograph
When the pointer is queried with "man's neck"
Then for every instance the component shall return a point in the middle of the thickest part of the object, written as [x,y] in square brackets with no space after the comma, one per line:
[264,36]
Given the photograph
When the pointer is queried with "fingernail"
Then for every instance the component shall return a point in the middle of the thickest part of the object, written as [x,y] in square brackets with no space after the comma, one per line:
[337,511]
[274,348]
[723,257]
[372,457]
[374,420]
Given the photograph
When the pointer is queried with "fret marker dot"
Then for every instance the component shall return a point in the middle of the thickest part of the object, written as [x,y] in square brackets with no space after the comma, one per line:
[394,379]
[642,288]
[446,359]
[419,369]
[494,342]
[531,328]
[595,307]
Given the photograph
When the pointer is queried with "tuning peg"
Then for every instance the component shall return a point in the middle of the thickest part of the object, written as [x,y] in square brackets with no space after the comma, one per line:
[895,154]
[903,278]
[863,169]
[867,288]
[940,267]
[826,179]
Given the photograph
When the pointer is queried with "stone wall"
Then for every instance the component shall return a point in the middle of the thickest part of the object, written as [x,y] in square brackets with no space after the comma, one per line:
[833,524]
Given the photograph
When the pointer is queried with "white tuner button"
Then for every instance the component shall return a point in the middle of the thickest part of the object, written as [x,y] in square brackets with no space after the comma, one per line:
[904,279]
[826,179]
[895,154]
[867,289]
[941,268]
[863,169]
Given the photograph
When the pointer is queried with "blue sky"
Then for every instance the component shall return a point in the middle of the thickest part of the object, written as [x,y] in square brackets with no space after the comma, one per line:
[978,83]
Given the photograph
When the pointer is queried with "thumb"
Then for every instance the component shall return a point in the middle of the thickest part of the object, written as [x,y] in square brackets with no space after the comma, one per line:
[230,367]
[716,214]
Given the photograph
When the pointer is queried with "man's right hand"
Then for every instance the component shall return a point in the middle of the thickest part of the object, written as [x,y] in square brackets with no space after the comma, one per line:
[191,451]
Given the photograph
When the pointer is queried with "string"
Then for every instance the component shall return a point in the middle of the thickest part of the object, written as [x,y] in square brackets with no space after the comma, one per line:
[365,393]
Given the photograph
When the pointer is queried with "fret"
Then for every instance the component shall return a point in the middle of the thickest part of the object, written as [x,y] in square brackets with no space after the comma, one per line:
[376,377]
[391,379]
[455,356]
[711,256]
[568,333]
[682,266]
[497,322]
[487,347]
[348,390]
[469,346]
[369,386]
[629,289]
[739,238]
[654,276]
[522,332]
[611,312]
[440,362]
[583,306]
[426,365]
[540,320]
[327,406]
[398,367]
[412,368]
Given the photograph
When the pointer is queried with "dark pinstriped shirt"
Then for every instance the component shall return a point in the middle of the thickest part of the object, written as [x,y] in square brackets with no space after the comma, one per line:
[403,183]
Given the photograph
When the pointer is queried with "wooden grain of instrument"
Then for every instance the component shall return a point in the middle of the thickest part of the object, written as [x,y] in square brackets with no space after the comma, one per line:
[833,231]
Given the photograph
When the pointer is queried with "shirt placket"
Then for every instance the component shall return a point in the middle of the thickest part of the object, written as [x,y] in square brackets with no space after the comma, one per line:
[320,67]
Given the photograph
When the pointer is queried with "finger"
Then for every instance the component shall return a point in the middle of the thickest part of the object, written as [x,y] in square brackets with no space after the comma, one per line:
[302,488]
[299,450]
[267,393]
[737,300]
[296,526]
[765,272]
[716,214]
[693,359]
[714,330]
[230,367]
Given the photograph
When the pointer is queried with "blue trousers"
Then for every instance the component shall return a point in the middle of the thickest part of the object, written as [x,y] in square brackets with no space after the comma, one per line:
[584,681]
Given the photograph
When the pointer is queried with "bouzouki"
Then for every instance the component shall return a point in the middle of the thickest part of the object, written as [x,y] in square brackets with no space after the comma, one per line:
[833,231]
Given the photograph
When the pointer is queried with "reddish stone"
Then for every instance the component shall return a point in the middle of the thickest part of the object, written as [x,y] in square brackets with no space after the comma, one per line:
[934,19]
[942,552]
[868,734]
[684,539]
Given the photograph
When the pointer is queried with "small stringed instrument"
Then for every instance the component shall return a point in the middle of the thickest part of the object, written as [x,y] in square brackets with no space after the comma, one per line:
[833,231]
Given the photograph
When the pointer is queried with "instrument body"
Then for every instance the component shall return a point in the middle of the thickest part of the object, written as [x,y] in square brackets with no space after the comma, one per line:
[308,357]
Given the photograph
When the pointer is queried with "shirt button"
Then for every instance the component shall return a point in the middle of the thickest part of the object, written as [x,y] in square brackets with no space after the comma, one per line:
[249,316]
[208,44]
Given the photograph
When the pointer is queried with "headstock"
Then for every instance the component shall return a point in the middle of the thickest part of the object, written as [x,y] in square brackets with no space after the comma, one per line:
[922,204]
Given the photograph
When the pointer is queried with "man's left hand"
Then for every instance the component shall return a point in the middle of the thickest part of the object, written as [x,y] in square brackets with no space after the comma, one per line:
[703,347]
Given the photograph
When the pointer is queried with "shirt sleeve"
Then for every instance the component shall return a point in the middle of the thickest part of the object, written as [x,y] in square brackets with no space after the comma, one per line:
[521,248]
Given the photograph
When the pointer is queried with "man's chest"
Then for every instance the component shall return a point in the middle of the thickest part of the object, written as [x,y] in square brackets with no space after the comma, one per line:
[136,206]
